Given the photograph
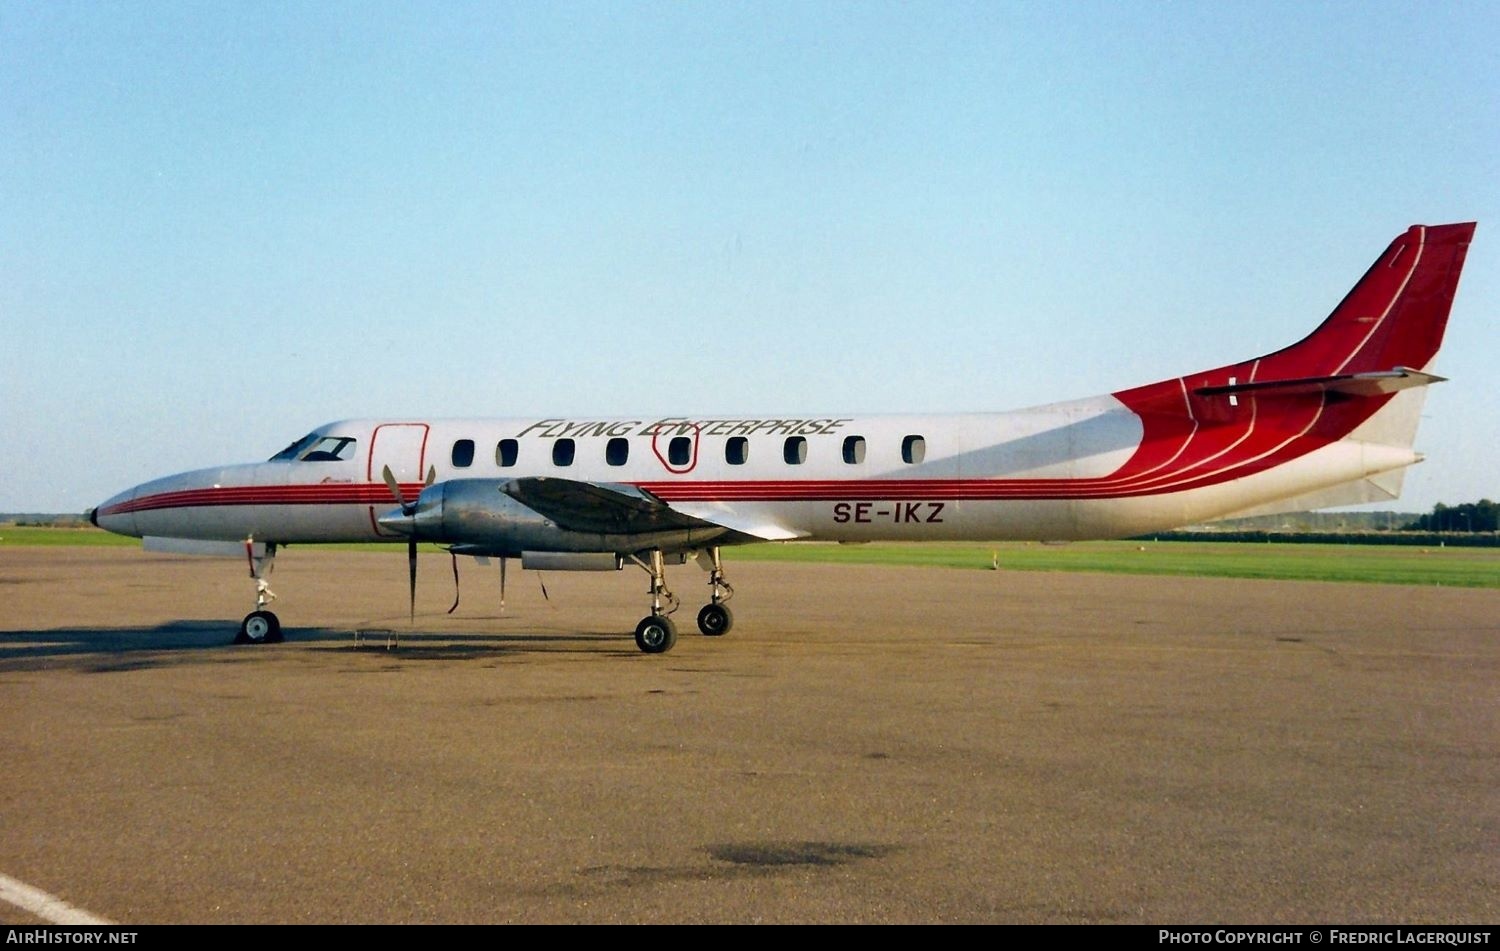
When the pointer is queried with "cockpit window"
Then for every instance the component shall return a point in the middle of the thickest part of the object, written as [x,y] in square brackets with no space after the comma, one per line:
[295,449]
[316,448]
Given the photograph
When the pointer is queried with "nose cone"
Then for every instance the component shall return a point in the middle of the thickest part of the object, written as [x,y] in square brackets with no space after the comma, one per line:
[117,514]
[202,504]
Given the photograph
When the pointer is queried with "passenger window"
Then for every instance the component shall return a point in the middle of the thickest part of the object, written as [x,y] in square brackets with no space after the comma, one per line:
[463,453]
[737,451]
[680,451]
[854,450]
[795,450]
[617,451]
[562,452]
[506,452]
[913,449]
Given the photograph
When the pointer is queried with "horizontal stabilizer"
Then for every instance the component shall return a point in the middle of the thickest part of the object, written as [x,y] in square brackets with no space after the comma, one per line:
[1376,383]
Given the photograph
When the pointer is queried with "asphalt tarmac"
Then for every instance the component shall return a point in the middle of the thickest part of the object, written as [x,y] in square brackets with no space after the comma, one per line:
[868,745]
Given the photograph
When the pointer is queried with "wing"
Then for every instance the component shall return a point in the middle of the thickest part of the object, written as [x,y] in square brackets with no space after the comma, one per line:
[619,508]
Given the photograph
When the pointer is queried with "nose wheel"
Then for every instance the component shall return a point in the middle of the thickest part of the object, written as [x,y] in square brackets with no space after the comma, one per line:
[259,627]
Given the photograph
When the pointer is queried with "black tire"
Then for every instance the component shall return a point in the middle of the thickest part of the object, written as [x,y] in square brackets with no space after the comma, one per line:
[715,620]
[656,634]
[259,627]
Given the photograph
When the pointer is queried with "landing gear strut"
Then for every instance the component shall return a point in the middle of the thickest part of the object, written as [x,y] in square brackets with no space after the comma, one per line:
[716,619]
[656,634]
[260,626]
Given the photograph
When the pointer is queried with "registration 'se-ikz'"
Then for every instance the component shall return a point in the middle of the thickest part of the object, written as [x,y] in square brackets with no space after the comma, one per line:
[1327,421]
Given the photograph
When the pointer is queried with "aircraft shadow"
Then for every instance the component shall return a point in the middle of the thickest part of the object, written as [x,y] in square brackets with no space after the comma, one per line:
[188,641]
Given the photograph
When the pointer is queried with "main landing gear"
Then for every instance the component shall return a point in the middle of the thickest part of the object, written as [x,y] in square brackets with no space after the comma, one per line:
[715,619]
[656,634]
[260,626]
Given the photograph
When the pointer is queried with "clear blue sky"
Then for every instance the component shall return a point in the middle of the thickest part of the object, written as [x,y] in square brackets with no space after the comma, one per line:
[222,224]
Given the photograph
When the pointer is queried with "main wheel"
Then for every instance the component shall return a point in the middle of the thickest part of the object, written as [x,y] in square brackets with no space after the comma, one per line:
[715,619]
[259,627]
[655,634]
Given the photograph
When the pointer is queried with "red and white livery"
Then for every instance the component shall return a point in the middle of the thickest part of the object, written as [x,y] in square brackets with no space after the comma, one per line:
[1329,420]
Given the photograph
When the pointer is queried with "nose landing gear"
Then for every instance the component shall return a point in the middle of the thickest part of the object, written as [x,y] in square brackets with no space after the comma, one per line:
[260,626]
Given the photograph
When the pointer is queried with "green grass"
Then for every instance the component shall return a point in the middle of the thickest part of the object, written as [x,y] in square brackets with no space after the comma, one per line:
[1376,564]
[20,535]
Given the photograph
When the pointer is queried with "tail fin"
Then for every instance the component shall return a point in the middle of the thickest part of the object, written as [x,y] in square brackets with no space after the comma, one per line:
[1394,317]
[1359,377]
[1376,341]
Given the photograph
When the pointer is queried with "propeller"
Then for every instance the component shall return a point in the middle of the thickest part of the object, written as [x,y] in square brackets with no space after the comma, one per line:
[409,509]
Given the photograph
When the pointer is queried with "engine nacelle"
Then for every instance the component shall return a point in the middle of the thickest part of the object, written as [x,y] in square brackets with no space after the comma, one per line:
[477,512]
[478,517]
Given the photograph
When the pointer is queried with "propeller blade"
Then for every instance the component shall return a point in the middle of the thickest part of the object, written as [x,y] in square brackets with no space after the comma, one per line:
[407,508]
[455,582]
[411,569]
[393,485]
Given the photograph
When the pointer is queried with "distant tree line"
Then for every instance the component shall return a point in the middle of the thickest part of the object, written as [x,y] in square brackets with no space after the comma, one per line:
[1481,516]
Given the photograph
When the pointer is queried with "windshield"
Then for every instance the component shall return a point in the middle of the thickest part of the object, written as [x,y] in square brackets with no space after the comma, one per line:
[318,448]
[291,452]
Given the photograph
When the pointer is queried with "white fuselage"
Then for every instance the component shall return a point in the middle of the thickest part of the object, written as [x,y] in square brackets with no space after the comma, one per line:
[1047,473]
